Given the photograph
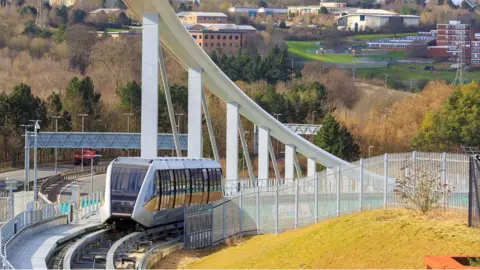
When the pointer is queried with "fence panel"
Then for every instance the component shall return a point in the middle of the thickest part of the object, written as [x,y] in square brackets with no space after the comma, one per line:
[286,207]
[306,202]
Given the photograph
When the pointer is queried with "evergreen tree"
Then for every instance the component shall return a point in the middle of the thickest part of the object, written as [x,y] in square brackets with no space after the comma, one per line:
[336,140]
[130,96]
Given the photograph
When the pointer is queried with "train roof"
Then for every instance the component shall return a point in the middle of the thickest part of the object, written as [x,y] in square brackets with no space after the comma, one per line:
[169,162]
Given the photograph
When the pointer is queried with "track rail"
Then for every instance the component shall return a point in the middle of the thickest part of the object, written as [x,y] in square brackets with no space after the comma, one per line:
[129,251]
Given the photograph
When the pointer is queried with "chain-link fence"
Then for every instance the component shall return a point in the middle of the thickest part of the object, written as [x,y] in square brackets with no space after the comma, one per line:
[474,195]
[274,206]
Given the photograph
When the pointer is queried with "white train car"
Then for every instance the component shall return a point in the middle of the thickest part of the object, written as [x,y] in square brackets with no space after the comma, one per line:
[153,192]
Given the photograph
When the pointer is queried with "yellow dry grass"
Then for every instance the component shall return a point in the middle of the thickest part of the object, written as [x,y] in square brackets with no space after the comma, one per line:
[374,239]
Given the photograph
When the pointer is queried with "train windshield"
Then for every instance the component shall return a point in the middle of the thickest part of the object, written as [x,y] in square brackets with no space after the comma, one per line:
[125,184]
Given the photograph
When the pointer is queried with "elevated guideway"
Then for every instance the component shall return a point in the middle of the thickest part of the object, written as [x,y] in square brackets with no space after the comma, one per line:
[178,41]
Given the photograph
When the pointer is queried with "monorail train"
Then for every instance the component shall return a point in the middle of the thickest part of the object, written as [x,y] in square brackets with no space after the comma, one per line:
[153,192]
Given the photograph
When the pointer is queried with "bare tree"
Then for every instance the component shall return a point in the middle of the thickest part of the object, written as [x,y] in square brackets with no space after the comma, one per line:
[80,39]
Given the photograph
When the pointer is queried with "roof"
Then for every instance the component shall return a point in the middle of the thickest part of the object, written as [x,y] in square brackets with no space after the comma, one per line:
[375,12]
[182,14]
[274,10]
[106,10]
[166,162]
[208,14]
[241,9]
[223,26]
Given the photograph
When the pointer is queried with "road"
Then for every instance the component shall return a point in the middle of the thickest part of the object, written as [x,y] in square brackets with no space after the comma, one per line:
[84,184]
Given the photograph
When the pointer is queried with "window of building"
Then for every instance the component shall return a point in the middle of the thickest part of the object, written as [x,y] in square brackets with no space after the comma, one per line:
[236,37]
[212,36]
[230,37]
[194,36]
[218,37]
[206,36]
[224,37]
[362,18]
[200,44]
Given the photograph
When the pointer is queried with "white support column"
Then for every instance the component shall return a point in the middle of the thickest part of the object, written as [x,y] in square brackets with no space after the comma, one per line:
[195,91]
[232,146]
[290,153]
[150,53]
[263,161]
[311,168]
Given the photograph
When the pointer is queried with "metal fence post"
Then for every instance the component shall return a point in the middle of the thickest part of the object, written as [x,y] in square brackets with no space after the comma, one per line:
[315,184]
[212,220]
[276,209]
[224,210]
[258,209]
[444,168]
[296,203]
[339,183]
[241,211]
[385,183]
[361,184]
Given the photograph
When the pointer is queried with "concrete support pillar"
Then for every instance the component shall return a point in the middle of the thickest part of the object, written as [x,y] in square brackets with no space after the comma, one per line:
[150,53]
[195,141]
[290,153]
[311,168]
[263,161]
[232,145]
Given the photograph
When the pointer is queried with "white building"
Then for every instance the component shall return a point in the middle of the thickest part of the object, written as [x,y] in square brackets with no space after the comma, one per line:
[66,3]
[364,19]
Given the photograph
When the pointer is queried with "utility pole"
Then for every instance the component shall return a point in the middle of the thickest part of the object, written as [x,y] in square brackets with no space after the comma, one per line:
[83,115]
[56,130]
[40,19]
[36,128]
[27,159]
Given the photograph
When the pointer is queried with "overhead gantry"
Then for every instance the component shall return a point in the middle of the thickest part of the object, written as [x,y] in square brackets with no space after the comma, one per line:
[162,27]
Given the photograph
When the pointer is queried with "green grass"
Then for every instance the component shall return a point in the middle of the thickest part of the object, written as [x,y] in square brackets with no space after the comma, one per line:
[374,239]
[299,49]
[417,72]
[365,37]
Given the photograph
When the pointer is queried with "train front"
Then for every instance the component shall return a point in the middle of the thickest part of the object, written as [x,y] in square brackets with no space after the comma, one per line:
[124,179]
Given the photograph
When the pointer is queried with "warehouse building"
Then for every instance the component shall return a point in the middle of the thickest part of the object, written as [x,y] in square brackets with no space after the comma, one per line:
[374,19]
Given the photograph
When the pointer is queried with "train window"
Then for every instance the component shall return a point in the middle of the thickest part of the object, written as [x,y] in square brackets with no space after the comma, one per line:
[125,185]
[151,197]
[180,188]
[205,186]
[188,187]
[172,189]
[197,186]
[165,188]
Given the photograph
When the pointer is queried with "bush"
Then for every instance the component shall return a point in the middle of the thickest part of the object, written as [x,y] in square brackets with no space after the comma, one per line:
[38,47]
[18,43]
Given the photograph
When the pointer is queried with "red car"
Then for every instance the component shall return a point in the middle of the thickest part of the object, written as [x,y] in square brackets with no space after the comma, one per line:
[88,156]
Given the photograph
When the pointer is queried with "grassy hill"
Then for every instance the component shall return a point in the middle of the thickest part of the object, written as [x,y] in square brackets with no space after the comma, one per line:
[375,239]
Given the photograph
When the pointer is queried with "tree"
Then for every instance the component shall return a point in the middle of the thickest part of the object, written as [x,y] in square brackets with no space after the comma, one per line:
[80,40]
[130,96]
[81,97]
[336,140]
[282,25]
[323,10]
[263,4]
[78,16]
[408,10]
[457,123]
[59,35]
[62,12]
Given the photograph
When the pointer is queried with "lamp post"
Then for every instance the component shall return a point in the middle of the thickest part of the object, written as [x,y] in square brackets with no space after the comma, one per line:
[91,168]
[36,128]
[128,127]
[27,159]
[369,148]
[56,130]
[83,115]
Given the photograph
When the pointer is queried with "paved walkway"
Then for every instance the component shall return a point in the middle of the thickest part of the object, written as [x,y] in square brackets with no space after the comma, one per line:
[31,253]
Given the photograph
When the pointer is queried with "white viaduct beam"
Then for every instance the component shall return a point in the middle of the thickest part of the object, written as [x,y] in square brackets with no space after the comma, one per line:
[195,92]
[150,54]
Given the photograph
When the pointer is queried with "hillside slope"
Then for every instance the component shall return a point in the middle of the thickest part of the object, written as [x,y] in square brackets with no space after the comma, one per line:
[375,239]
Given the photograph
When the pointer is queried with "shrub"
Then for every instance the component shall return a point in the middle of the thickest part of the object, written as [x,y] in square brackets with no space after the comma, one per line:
[18,43]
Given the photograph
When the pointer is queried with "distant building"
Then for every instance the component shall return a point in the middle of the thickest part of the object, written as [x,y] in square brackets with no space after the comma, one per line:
[66,3]
[364,19]
[276,13]
[108,11]
[335,8]
[452,39]
[230,38]
[203,17]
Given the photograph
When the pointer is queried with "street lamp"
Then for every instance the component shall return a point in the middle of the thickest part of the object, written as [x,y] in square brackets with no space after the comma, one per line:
[370,147]
[91,168]
[83,115]
[128,120]
[36,128]
[56,130]
[27,159]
